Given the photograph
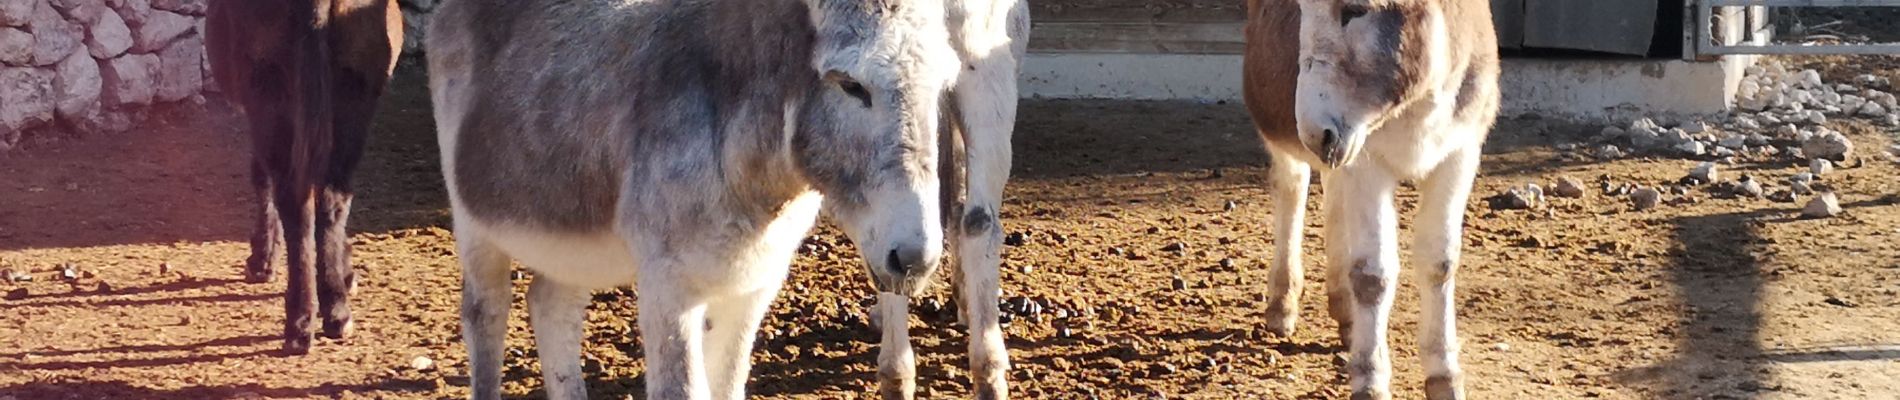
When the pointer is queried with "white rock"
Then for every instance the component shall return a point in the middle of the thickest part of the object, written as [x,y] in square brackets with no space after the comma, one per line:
[1800,188]
[1645,124]
[1810,79]
[1705,172]
[53,37]
[130,80]
[16,12]
[1692,148]
[159,29]
[1816,117]
[1756,139]
[1722,152]
[1804,177]
[421,363]
[1770,120]
[1610,152]
[1677,136]
[1610,132]
[1872,110]
[78,86]
[1829,98]
[134,11]
[26,95]
[16,47]
[179,72]
[1748,188]
[187,7]
[1749,89]
[1829,145]
[1823,206]
[1567,187]
[81,11]
[1820,166]
[1645,198]
[1733,141]
[1695,128]
[1746,123]
[110,37]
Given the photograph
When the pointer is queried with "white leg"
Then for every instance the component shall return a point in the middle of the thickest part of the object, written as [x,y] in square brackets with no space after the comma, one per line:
[986,94]
[1289,178]
[896,362]
[558,313]
[1437,243]
[733,326]
[1363,239]
[486,298]
[672,327]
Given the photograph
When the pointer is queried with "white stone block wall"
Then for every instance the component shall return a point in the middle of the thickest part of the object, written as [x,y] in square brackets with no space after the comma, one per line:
[89,65]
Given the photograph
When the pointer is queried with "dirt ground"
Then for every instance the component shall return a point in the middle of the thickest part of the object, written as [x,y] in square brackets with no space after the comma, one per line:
[1586,298]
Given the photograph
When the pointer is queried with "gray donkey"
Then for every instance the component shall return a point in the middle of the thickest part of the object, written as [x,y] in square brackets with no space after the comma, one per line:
[687,147]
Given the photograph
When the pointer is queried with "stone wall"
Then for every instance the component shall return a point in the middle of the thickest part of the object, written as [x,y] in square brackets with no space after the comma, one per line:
[90,65]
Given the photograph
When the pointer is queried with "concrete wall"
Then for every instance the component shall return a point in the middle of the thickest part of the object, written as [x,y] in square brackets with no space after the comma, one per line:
[1566,88]
[89,65]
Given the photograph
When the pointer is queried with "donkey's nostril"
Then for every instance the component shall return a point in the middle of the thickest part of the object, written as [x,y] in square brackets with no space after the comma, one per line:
[1328,138]
[904,259]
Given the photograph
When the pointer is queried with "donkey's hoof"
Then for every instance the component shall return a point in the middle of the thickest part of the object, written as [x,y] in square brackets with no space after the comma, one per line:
[335,329]
[297,345]
[257,272]
[1281,322]
[1371,394]
[1445,388]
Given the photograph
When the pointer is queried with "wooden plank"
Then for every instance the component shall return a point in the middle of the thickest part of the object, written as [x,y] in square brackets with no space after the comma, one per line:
[1139,37]
[1177,11]
[1611,26]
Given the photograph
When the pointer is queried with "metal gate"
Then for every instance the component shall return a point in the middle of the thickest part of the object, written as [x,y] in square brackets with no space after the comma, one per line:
[1725,27]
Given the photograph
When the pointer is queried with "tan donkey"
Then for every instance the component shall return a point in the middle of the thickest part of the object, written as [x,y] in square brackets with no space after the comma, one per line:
[1374,92]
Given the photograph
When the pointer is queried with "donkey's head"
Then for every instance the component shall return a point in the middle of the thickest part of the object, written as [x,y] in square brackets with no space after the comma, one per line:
[1361,63]
[867,134]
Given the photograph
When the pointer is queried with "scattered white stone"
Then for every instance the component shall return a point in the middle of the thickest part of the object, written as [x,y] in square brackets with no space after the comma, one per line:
[1787,131]
[1816,117]
[1645,198]
[1800,188]
[422,363]
[1567,187]
[1748,188]
[1822,206]
[1820,166]
[1722,152]
[1756,139]
[1829,145]
[1810,79]
[1872,110]
[1804,177]
[1706,172]
[1610,152]
[1733,141]
[1692,148]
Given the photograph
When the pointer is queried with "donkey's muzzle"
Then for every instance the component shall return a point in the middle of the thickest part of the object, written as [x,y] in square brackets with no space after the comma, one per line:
[907,270]
[1333,146]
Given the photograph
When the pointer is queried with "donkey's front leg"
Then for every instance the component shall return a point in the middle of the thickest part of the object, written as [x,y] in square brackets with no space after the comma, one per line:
[733,326]
[486,297]
[1437,242]
[1364,241]
[1289,179]
[672,329]
[559,314]
[986,94]
[896,362]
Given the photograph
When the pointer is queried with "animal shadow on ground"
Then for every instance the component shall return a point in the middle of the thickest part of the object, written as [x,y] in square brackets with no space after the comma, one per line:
[80,388]
[183,176]
[1717,270]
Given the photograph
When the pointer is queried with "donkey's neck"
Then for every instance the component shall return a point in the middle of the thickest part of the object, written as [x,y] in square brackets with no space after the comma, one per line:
[760,53]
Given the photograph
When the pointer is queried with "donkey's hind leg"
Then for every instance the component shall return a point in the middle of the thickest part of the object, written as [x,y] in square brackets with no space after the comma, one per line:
[558,313]
[1437,244]
[1289,179]
[486,297]
[268,235]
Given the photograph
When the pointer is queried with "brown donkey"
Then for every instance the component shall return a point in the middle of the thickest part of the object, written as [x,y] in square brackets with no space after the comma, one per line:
[308,74]
[1375,92]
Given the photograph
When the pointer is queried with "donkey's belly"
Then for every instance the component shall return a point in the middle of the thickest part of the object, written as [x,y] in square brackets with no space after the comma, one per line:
[590,260]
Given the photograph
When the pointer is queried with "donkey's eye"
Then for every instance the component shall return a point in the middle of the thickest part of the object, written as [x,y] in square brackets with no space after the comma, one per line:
[1351,12]
[855,89]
